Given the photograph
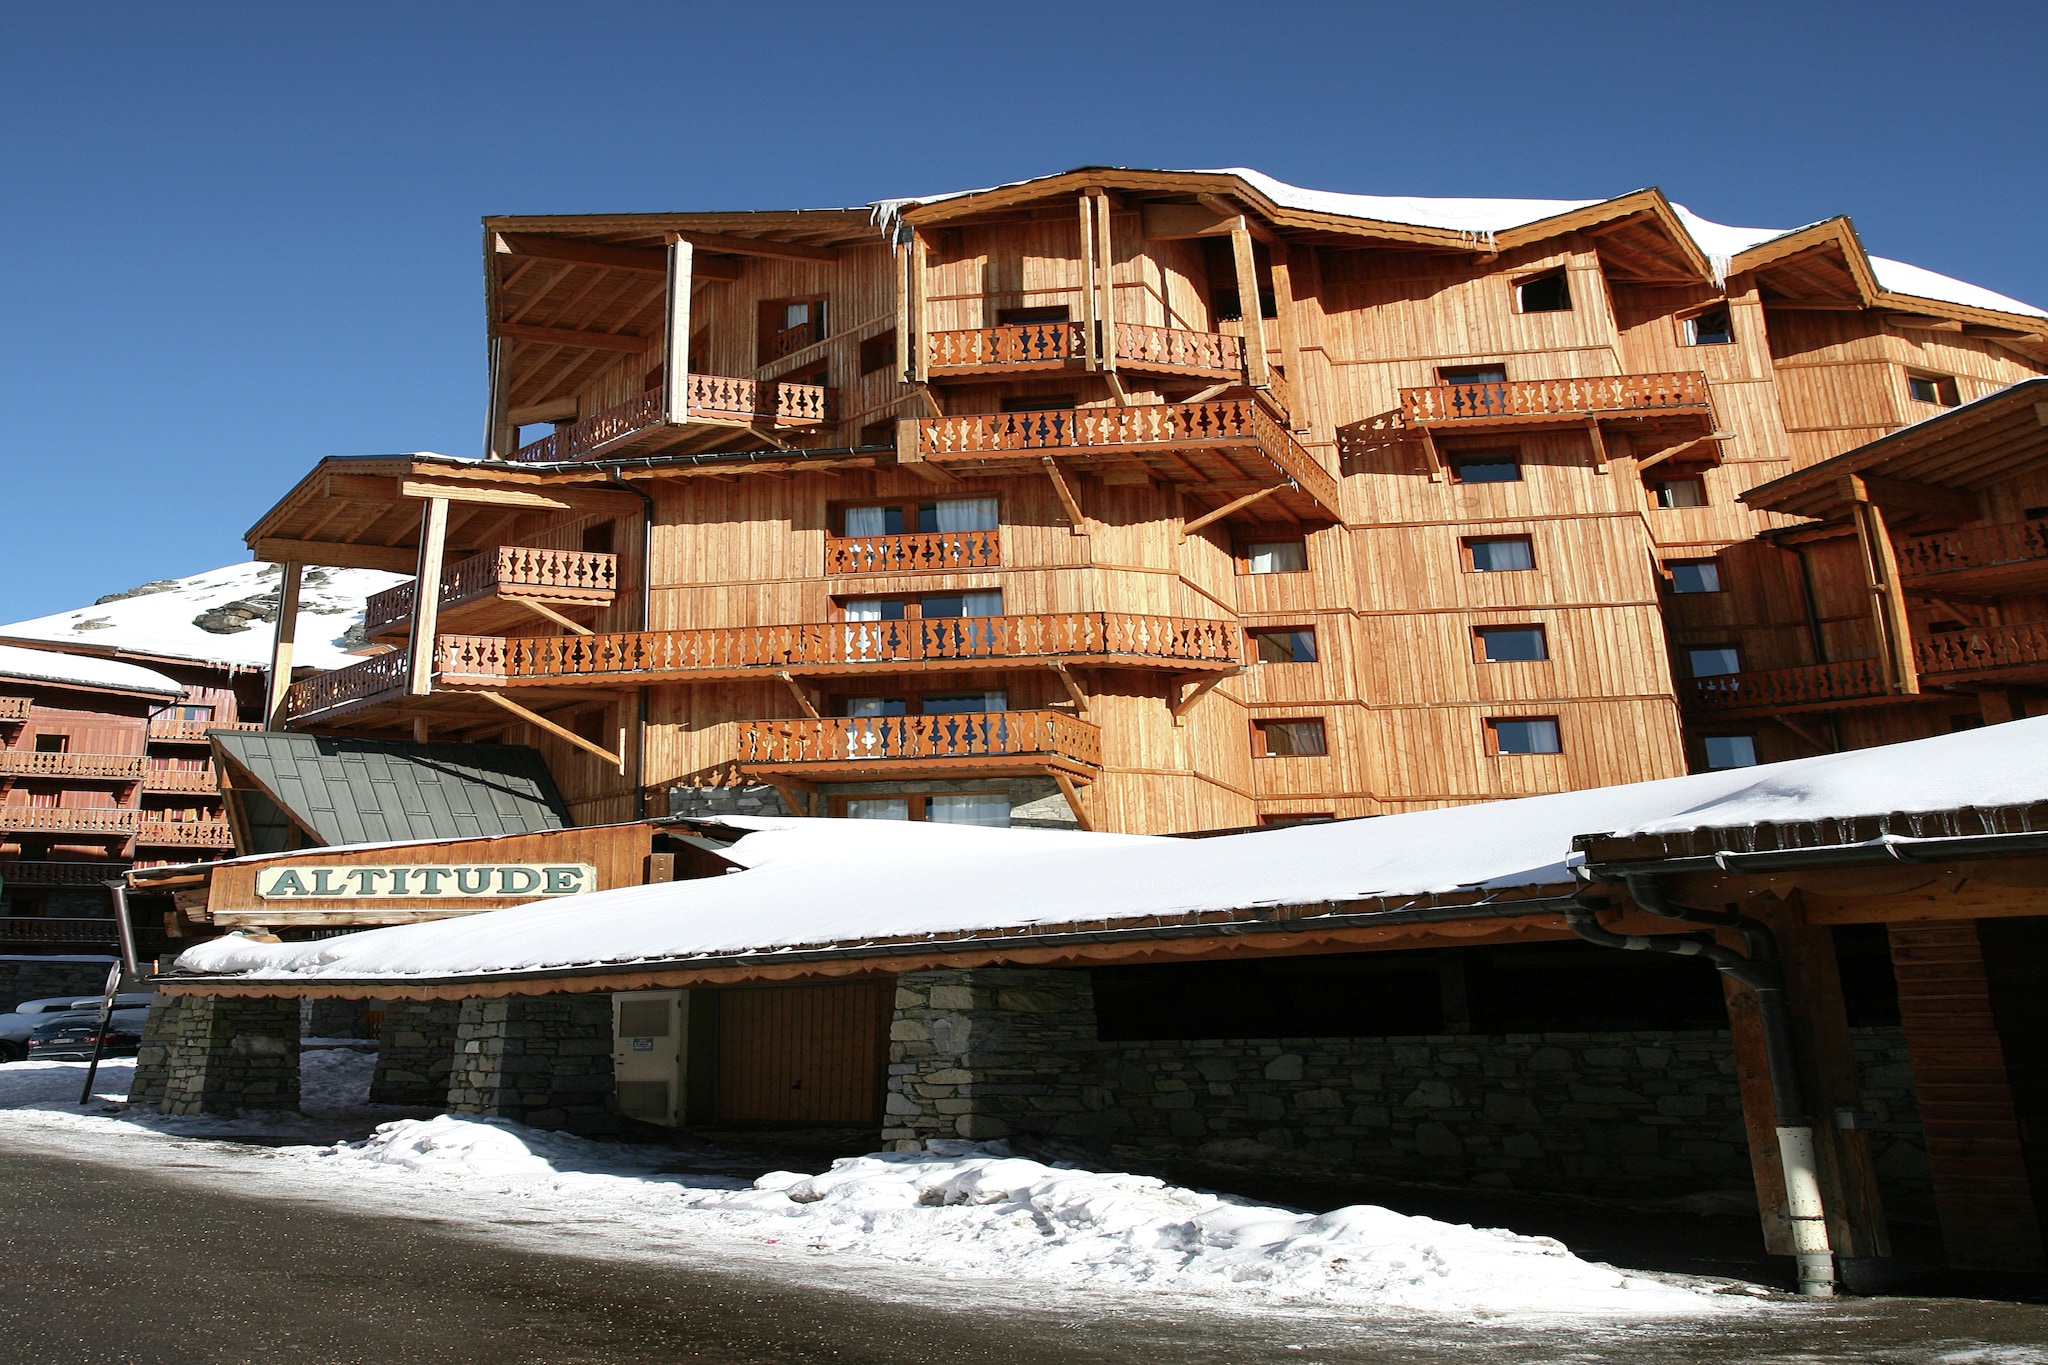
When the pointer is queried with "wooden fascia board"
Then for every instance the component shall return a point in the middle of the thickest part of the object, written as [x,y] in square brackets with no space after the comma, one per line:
[1650,204]
[1836,233]
[2023,323]
[334,554]
[842,225]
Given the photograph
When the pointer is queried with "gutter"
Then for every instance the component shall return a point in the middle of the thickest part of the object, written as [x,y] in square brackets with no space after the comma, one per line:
[1888,849]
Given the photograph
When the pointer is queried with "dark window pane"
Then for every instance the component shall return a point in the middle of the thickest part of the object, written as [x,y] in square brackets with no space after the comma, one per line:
[1473,374]
[1716,661]
[1698,576]
[1294,738]
[1549,294]
[1486,469]
[1711,328]
[1513,644]
[1731,751]
[1285,646]
[1502,556]
[1526,736]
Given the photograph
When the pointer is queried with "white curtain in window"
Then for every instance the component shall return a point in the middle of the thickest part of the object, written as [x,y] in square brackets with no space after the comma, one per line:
[874,521]
[864,609]
[963,514]
[981,604]
[878,808]
[1285,556]
[969,808]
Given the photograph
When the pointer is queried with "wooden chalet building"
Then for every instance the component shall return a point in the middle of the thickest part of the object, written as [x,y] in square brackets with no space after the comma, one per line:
[1154,502]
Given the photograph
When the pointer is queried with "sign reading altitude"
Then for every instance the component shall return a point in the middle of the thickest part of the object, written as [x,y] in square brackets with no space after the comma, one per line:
[446,881]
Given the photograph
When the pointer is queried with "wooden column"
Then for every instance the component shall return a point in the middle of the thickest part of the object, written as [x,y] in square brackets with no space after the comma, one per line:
[426,596]
[1887,596]
[1974,1152]
[675,356]
[281,645]
[1089,290]
[1256,373]
[920,310]
[499,437]
[1827,1066]
[1105,284]
[1290,336]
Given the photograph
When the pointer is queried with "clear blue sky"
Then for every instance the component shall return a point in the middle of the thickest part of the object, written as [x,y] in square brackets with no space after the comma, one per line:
[237,238]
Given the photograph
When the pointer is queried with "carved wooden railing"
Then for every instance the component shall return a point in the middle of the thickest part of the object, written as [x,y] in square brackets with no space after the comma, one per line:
[373,677]
[1230,421]
[192,781]
[1168,349]
[15,708]
[923,552]
[42,872]
[1783,688]
[1554,397]
[490,660]
[1978,547]
[185,833]
[1051,735]
[50,929]
[1983,648]
[716,397]
[194,731]
[30,763]
[94,820]
[561,574]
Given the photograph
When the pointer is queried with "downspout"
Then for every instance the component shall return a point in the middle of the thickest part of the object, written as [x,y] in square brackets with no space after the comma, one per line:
[1763,975]
[646,623]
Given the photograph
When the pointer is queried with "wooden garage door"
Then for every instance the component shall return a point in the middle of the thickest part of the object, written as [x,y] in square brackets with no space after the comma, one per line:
[803,1054]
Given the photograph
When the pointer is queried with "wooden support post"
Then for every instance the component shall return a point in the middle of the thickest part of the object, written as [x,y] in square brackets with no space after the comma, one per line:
[1255,370]
[1073,795]
[419,729]
[1088,289]
[921,310]
[1201,689]
[548,613]
[281,644]
[561,732]
[801,800]
[1290,336]
[500,437]
[1227,508]
[1430,453]
[1074,690]
[1887,597]
[803,698]
[1995,707]
[907,339]
[426,596]
[1117,389]
[675,364]
[1599,441]
[1105,286]
[1059,484]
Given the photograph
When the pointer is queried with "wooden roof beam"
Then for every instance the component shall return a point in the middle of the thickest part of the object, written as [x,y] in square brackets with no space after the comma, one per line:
[729,245]
[635,259]
[569,336]
[333,554]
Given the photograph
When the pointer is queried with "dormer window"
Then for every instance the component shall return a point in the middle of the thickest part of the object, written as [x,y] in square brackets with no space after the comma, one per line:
[1544,294]
[1710,327]
[1938,389]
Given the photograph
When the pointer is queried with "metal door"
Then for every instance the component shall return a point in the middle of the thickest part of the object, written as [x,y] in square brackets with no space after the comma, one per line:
[649,1031]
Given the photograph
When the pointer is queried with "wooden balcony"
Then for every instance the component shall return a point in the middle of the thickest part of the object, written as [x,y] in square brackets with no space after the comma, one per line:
[989,743]
[1810,687]
[170,731]
[1036,347]
[2006,558]
[923,552]
[717,405]
[2011,654]
[378,678]
[78,767]
[49,929]
[1536,402]
[1226,448]
[186,781]
[14,710]
[43,872]
[185,833]
[116,823]
[491,586]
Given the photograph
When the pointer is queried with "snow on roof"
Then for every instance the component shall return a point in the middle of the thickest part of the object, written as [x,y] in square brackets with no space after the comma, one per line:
[1481,218]
[814,883]
[47,665]
[161,619]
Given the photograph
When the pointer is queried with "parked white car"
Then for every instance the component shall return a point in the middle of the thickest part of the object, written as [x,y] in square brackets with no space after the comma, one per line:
[17,1024]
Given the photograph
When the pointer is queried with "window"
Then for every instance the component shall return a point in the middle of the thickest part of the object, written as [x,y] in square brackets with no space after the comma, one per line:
[1227,305]
[1681,493]
[1714,661]
[1472,374]
[878,808]
[1730,751]
[1938,389]
[1288,739]
[1287,646]
[1544,294]
[190,713]
[933,704]
[878,352]
[1486,469]
[1274,819]
[1011,317]
[895,518]
[1695,575]
[938,604]
[990,809]
[1276,556]
[1048,402]
[789,325]
[53,744]
[597,540]
[1511,644]
[1522,735]
[1499,554]
[1710,327]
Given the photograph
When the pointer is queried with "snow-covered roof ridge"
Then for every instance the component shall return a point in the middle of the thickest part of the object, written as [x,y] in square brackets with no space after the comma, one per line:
[223,617]
[839,885]
[52,666]
[1478,219]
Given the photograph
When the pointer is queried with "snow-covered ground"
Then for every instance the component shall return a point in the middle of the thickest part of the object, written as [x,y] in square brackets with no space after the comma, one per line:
[964,1212]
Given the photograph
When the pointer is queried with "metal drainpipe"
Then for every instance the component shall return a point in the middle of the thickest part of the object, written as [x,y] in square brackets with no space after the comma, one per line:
[1765,978]
[646,623]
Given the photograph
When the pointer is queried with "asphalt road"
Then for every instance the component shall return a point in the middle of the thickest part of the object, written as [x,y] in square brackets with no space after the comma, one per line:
[104,1263]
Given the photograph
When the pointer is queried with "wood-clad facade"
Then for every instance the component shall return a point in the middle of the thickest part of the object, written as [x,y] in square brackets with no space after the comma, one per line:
[1132,500]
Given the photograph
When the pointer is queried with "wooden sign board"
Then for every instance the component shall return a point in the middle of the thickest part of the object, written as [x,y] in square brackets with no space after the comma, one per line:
[431,881]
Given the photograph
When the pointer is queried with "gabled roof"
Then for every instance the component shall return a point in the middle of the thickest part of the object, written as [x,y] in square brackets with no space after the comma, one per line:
[69,670]
[361,791]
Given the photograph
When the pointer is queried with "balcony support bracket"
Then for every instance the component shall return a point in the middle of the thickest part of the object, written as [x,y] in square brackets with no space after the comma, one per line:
[1203,686]
[1227,508]
[801,798]
[1432,455]
[796,689]
[1066,492]
[1075,691]
[1073,795]
[1673,452]
[547,613]
[561,732]
[1601,459]
[1887,596]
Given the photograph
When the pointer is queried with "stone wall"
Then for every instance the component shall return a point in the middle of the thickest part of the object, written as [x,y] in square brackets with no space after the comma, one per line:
[1891,1108]
[28,977]
[699,802]
[335,1018]
[993,1053]
[544,1060]
[205,1054]
[416,1052]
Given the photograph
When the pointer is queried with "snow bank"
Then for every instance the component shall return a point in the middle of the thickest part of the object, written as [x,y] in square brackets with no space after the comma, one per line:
[44,665]
[811,883]
[980,1210]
